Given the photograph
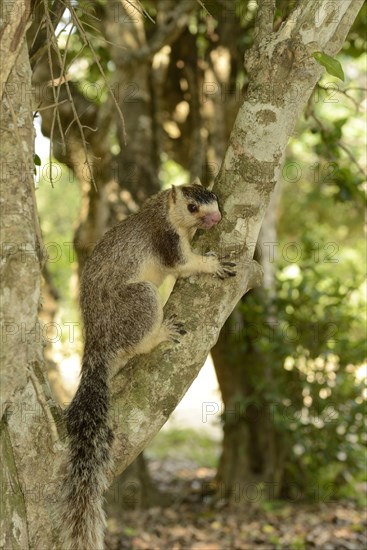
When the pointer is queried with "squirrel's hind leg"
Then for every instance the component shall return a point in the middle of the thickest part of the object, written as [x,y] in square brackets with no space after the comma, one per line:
[141,323]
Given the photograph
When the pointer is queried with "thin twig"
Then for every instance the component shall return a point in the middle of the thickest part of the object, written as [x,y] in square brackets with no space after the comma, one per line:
[204,7]
[61,61]
[39,109]
[341,145]
[352,158]
[39,46]
[63,72]
[142,10]
[56,115]
[102,38]
[90,45]
[83,11]
[35,37]
[343,92]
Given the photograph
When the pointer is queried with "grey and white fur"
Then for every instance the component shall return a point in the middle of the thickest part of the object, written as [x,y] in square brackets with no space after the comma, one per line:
[122,314]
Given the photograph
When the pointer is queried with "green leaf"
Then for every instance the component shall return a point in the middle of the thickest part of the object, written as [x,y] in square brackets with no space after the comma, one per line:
[37,160]
[332,65]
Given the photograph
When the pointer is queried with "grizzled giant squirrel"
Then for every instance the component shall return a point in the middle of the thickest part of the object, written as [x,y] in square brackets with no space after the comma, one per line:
[122,314]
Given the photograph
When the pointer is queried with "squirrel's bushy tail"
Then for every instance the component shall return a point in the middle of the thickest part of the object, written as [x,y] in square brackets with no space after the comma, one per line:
[82,519]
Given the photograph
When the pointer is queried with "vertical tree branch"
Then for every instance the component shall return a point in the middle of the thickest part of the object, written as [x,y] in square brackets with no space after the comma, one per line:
[27,446]
[264,20]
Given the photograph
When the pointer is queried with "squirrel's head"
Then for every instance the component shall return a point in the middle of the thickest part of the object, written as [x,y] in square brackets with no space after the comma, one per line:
[193,206]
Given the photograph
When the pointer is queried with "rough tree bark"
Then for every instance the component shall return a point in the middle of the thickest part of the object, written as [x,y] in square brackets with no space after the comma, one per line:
[15,17]
[282,76]
[29,437]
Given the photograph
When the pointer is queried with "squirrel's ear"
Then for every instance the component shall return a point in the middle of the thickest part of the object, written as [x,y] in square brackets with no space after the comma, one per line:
[197,182]
[173,194]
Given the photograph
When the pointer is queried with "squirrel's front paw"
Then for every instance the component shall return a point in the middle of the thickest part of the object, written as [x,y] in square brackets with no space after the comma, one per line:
[174,328]
[221,267]
[226,269]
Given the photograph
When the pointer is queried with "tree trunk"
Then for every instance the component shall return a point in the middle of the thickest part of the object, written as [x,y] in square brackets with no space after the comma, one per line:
[252,449]
[29,420]
[134,489]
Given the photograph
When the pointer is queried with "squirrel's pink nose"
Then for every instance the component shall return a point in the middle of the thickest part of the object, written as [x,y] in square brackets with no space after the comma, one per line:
[211,219]
[215,217]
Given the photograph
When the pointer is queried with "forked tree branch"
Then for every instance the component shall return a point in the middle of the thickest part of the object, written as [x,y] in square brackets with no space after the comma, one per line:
[282,75]
[40,42]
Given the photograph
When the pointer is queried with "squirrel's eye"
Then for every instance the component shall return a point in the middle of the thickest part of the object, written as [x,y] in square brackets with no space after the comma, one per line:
[192,208]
